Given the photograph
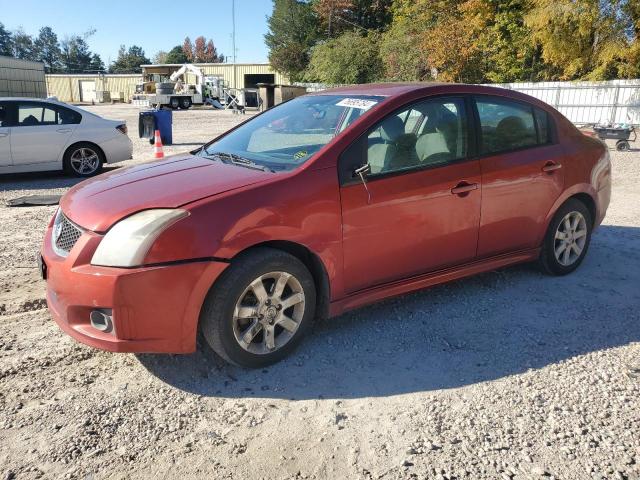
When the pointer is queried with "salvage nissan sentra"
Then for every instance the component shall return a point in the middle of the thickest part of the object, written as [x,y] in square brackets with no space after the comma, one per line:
[320,205]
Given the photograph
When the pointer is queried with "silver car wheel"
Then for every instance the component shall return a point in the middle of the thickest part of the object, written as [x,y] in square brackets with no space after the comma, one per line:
[570,238]
[268,313]
[85,161]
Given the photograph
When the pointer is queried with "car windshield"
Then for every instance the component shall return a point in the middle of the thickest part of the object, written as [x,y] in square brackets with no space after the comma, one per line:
[288,135]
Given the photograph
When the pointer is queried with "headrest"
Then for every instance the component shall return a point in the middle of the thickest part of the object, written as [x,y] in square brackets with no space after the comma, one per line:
[391,128]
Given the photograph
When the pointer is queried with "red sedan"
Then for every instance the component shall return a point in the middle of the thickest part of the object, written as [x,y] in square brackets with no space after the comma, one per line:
[320,205]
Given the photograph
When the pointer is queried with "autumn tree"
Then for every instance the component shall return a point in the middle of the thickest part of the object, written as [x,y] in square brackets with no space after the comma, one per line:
[187,49]
[199,49]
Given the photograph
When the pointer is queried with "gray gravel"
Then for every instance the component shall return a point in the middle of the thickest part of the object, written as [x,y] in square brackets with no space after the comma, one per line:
[507,375]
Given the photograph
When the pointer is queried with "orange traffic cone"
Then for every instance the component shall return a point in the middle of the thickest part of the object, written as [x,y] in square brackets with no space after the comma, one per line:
[157,146]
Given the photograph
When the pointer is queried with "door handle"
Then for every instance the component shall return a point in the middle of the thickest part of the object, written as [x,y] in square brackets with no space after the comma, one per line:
[464,187]
[551,166]
[63,130]
[3,134]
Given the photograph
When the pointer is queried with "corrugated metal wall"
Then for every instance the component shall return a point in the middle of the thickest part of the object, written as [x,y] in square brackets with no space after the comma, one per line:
[615,101]
[21,78]
[232,74]
[67,87]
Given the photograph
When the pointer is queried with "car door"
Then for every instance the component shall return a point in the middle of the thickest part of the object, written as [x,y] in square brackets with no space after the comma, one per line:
[5,134]
[522,173]
[37,136]
[419,210]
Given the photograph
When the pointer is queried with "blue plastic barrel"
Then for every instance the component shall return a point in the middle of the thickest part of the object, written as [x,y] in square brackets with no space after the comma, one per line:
[164,123]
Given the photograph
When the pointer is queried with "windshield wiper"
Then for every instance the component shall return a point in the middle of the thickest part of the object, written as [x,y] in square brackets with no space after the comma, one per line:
[237,160]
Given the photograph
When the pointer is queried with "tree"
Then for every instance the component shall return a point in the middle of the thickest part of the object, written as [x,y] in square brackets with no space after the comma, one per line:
[6,42]
[187,49]
[349,58]
[211,53]
[583,39]
[338,16]
[96,65]
[23,45]
[47,49]
[160,57]
[75,55]
[293,30]
[335,15]
[129,61]
[199,49]
[176,55]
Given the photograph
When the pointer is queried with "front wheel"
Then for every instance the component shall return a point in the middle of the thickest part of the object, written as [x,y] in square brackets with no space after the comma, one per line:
[567,239]
[185,103]
[174,103]
[259,309]
[622,145]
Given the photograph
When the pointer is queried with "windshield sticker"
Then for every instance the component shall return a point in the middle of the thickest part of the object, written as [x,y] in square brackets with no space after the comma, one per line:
[299,155]
[360,103]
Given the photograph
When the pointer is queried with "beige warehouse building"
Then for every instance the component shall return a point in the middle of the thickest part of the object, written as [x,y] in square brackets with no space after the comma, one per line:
[88,88]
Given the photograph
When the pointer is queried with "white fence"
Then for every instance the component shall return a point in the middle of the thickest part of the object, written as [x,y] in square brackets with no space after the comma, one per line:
[615,101]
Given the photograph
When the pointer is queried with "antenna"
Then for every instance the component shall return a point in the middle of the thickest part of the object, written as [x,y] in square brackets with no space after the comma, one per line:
[233,34]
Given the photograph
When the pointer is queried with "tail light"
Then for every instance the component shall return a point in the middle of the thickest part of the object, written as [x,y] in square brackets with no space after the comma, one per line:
[122,128]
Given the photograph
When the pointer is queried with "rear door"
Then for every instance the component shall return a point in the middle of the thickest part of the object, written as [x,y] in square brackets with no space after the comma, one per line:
[522,173]
[40,133]
[5,134]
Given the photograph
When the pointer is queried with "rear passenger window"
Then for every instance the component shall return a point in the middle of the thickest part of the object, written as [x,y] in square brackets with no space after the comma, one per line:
[33,114]
[428,133]
[4,116]
[506,125]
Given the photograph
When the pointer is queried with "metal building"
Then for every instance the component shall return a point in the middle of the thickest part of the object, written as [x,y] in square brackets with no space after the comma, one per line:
[92,88]
[21,78]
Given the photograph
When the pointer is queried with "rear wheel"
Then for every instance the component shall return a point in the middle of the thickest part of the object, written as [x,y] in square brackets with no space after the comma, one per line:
[83,160]
[260,308]
[622,145]
[567,239]
[185,103]
[174,103]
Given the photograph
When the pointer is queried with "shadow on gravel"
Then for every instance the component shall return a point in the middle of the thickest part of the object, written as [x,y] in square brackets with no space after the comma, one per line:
[479,329]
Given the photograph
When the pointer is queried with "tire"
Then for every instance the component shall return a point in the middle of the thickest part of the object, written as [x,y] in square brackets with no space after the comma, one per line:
[233,313]
[552,263]
[622,145]
[185,103]
[93,157]
[174,103]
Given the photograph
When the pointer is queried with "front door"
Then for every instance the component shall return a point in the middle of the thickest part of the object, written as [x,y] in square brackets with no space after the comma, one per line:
[37,136]
[422,209]
[5,135]
[522,174]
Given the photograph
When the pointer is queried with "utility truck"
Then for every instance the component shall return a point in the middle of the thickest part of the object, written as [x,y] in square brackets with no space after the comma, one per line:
[177,92]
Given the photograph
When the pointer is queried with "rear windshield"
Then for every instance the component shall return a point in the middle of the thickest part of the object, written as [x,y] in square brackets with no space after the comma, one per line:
[288,135]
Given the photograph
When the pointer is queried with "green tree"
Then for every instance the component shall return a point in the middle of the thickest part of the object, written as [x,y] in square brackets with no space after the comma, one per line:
[96,65]
[23,45]
[293,30]
[176,55]
[47,49]
[6,42]
[75,56]
[160,57]
[349,58]
[129,61]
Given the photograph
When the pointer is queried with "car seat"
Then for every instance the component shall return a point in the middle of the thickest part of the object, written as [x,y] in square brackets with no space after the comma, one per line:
[379,155]
[30,121]
[510,133]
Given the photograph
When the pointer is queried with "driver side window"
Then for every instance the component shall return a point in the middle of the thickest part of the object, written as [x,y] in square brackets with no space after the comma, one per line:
[429,133]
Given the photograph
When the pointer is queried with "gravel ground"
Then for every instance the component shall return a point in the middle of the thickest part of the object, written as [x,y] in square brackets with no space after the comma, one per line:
[510,374]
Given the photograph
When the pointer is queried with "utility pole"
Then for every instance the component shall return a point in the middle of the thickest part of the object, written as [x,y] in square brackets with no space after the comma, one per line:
[233,34]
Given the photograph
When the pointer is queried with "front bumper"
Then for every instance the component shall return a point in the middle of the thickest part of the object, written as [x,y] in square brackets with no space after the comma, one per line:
[154,309]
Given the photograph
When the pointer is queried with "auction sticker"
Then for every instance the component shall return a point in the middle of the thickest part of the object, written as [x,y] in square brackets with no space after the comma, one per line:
[360,103]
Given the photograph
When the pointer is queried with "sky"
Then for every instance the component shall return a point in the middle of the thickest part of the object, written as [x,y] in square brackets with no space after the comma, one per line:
[160,25]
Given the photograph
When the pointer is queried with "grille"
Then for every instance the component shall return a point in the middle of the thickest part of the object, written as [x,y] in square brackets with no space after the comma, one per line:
[65,235]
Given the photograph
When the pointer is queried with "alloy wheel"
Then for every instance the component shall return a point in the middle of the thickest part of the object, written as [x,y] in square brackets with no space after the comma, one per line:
[570,238]
[85,161]
[268,313]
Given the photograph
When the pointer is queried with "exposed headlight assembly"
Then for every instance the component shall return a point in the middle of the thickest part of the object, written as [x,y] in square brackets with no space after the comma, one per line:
[126,244]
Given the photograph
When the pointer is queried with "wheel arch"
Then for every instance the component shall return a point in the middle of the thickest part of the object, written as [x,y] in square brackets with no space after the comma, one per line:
[310,260]
[580,193]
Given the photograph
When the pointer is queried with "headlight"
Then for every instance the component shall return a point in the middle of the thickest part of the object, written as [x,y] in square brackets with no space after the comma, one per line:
[128,241]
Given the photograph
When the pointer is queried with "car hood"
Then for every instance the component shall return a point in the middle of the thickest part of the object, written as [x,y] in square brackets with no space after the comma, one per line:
[98,203]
